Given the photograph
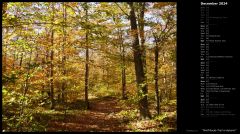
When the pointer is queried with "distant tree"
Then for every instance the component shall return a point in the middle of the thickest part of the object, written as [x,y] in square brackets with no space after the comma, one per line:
[87,56]
[51,59]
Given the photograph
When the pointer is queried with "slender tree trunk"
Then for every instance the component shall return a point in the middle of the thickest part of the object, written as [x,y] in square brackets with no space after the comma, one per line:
[14,58]
[4,65]
[123,65]
[170,88]
[25,90]
[87,60]
[36,58]
[44,79]
[124,96]
[87,78]
[17,56]
[63,51]
[4,57]
[107,78]
[51,67]
[139,67]
[27,77]
[156,78]
[47,71]
[164,81]
[21,58]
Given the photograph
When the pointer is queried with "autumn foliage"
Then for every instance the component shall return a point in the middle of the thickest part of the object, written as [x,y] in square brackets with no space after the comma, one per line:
[66,62]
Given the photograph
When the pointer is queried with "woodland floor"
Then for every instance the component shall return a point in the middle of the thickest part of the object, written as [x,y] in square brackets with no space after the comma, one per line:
[106,114]
[100,117]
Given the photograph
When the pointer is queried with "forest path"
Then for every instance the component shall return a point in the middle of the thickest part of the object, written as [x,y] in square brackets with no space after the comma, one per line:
[100,117]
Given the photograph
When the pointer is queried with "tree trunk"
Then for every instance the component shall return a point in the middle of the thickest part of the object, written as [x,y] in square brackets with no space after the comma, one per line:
[51,67]
[87,60]
[87,78]
[25,90]
[141,34]
[170,88]
[4,65]
[156,78]
[21,58]
[14,58]
[139,67]
[124,96]
[63,51]
[28,75]
[123,66]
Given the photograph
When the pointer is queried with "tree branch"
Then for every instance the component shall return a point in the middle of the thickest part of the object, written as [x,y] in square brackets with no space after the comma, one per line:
[122,9]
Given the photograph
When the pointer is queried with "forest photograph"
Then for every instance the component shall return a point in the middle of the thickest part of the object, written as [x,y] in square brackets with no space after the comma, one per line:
[89,67]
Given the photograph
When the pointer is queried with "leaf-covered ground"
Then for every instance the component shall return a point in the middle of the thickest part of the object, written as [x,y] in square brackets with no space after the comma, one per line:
[98,118]
[105,114]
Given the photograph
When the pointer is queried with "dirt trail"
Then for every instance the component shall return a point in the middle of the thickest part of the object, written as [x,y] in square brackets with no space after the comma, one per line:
[100,117]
